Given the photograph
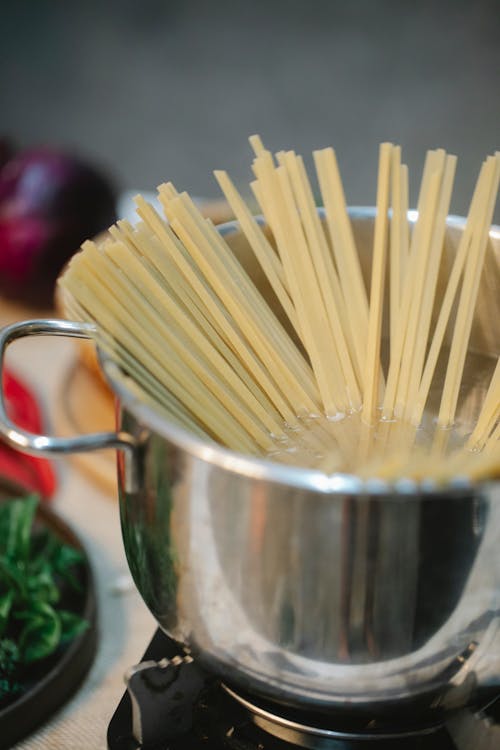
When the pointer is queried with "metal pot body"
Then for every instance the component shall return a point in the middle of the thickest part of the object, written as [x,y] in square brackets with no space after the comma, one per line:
[332,598]
[305,588]
[318,590]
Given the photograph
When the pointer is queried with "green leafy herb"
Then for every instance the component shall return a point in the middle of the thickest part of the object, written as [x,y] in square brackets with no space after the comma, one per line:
[21,514]
[9,663]
[9,655]
[5,607]
[42,632]
[71,625]
[35,569]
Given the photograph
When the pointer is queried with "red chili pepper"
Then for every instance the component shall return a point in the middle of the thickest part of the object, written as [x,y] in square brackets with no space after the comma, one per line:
[35,474]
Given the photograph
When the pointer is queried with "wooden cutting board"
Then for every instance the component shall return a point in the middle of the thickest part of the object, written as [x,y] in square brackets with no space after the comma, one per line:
[85,406]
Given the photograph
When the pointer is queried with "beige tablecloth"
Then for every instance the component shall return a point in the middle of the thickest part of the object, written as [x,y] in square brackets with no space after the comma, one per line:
[125,626]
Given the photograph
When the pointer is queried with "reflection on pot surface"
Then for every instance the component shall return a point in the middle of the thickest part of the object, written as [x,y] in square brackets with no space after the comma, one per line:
[357,579]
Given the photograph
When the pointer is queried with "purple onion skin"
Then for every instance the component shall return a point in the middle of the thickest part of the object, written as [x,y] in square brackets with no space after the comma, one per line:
[50,202]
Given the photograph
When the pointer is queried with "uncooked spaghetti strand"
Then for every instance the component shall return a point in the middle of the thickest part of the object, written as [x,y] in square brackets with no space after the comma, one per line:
[397,346]
[120,325]
[128,364]
[272,190]
[405,224]
[326,272]
[261,247]
[250,297]
[149,385]
[166,410]
[323,266]
[424,293]
[149,250]
[492,430]
[373,365]
[224,431]
[266,193]
[334,301]
[494,438]
[245,304]
[170,247]
[420,250]
[160,264]
[450,294]
[344,250]
[163,303]
[180,285]
[269,218]
[186,329]
[258,356]
[264,159]
[190,304]
[395,251]
[147,388]
[350,313]
[227,327]
[173,364]
[191,361]
[468,297]
[490,412]
[431,277]
[322,350]
[256,144]
[283,343]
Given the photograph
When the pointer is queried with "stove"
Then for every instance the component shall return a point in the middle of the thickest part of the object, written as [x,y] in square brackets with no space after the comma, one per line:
[173,704]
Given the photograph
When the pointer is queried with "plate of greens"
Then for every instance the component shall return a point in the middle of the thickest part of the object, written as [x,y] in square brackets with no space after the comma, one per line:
[47,613]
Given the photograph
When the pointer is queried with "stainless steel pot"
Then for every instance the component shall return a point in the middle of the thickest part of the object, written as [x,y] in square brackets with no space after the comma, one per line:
[302,587]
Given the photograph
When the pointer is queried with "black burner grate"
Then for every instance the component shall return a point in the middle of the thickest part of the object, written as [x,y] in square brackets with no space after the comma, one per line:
[200,715]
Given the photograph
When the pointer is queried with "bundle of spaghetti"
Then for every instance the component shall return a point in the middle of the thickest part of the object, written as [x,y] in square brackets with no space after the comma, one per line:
[192,335]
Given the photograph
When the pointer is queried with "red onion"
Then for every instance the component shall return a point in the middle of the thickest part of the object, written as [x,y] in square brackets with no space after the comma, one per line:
[50,202]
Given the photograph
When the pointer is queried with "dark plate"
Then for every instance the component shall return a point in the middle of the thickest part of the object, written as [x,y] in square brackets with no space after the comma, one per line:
[57,678]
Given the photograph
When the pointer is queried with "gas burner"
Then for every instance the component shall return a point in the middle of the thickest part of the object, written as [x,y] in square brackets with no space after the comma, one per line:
[317,734]
[173,704]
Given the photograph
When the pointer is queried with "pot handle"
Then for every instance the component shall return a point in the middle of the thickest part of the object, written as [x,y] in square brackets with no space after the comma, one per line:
[44,445]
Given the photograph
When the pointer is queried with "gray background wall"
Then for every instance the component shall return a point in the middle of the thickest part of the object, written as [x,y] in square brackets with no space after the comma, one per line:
[161,90]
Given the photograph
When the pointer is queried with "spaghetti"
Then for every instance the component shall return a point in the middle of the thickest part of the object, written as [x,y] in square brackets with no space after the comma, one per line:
[302,374]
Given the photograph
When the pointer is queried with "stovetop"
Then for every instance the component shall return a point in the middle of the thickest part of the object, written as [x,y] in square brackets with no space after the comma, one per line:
[171,704]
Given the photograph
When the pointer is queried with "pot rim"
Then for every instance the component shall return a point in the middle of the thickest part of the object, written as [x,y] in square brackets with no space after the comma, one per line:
[262,469]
